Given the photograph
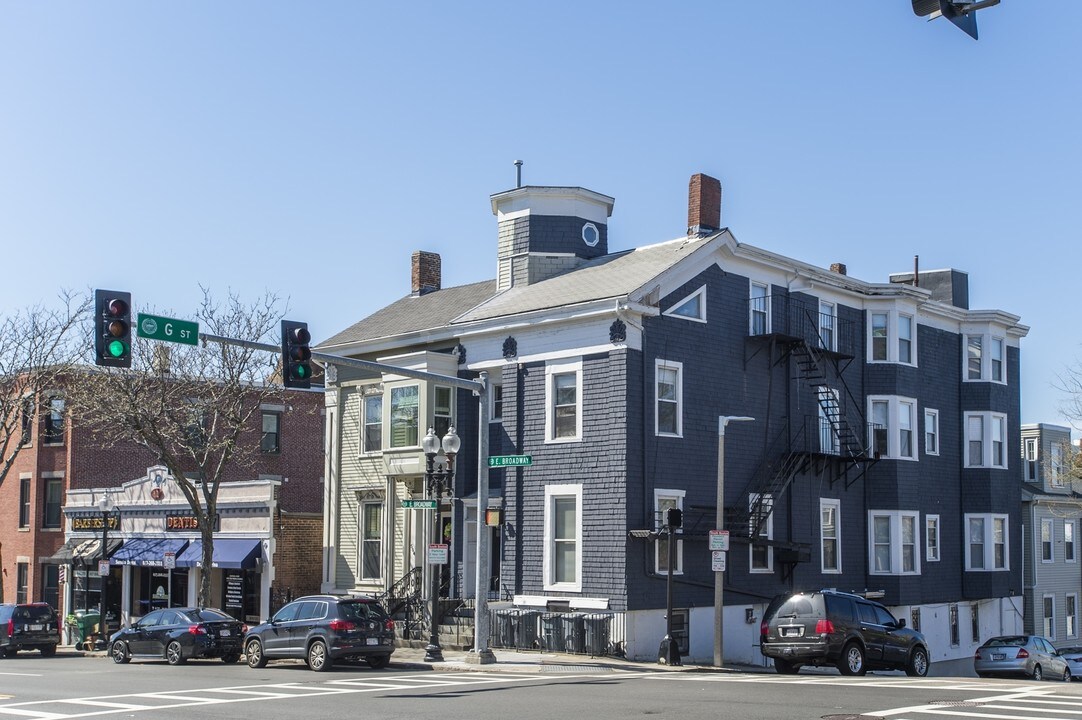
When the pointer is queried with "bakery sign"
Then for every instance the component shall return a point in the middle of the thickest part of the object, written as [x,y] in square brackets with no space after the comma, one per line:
[186,522]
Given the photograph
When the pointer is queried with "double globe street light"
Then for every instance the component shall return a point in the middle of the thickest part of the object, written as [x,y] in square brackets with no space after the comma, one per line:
[105,504]
[439,482]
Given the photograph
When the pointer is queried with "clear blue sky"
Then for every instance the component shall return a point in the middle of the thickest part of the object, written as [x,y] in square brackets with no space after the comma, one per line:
[309,148]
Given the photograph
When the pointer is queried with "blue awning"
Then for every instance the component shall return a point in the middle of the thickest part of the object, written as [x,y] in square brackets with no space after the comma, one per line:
[149,552]
[231,553]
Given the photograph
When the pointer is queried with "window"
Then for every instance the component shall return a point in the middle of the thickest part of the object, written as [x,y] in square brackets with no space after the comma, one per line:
[987,542]
[760,309]
[1031,459]
[879,337]
[22,580]
[931,538]
[441,410]
[997,360]
[905,339]
[975,623]
[986,435]
[669,391]
[827,322]
[931,432]
[829,412]
[956,635]
[1046,540]
[271,442]
[1057,468]
[892,546]
[562,562]
[1071,611]
[761,554]
[663,500]
[973,357]
[50,585]
[1068,540]
[1050,617]
[371,539]
[24,502]
[693,307]
[563,406]
[892,427]
[496,413]
[984,359]
[27,419]
[404,416]
[54,422]
[54,500]
[892,337]
[373,423]
[829,533]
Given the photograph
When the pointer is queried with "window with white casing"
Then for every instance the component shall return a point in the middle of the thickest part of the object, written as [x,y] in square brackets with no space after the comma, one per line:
[760,309]
[761,555]
[828,321]
[830,535]
[1068,541]
[371,545]
[1050,617]
[986,440]
[373,423]
[1047,540]
[496,398]
[829,403]
[1057,468]
[563,401]
[987,542]
[892,337]
[931,432]
[1071,613]
[1031,459]
[663,501]
[893,421]
[668,407]
[692,307]
[931,538]
[985,358]
[892,542]
[562,561]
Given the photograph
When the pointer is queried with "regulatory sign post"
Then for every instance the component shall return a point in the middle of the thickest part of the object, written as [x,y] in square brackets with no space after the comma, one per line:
[719,540]
[510,461]
[717,561]
[438,554]
[156,327]
[169,560]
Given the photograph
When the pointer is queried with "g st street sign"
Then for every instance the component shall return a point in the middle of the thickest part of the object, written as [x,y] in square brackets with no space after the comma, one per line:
[156,327]
[510,460]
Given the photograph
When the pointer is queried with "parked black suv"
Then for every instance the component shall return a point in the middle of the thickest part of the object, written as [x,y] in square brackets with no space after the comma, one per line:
[321,629]
[834,628]
[28,626]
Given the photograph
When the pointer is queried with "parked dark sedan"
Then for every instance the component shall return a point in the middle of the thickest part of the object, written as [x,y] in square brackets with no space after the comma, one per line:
[178,634]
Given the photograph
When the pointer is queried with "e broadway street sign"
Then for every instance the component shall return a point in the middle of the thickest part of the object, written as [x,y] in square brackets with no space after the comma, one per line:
[419,504]
[510,460]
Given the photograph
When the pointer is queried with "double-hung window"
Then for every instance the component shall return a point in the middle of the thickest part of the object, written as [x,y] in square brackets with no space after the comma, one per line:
[1068,541]
[24,502]
[761,555]
[760,309]
[404,416]
[985,357]
[562,561]
[663,501]
[879,337]
[441,410]
[892,545]
[54,422]
[271,441]
[830,535]
[892,426]
[931,538]
[905,339]
[987,542]
[829,412]
[1050,617]
[1071,612]
[54,501]
[931,432]
[371,539]
[892,337]
[1057,468]
[1047,539]
[827,322]
[1030,458]
[986,439]
[668,410]
[373,423]
[22,583]
[496,413]
[563,401]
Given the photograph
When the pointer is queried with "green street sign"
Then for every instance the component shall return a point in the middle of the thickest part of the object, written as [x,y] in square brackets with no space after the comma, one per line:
[419,504]
[155,327]
[510,460]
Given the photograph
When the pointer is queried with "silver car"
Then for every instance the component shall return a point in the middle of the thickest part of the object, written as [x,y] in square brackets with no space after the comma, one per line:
[1029,655]
[1073,656]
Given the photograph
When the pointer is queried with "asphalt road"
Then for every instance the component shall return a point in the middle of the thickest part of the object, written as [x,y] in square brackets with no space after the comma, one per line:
[78,687]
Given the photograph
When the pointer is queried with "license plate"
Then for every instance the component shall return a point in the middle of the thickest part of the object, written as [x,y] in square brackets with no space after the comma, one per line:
[791,632]
[36,627]
[999,656]
[372,641]
[225,633]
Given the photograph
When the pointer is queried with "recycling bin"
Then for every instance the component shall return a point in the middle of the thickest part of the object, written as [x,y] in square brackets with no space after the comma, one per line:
[552,632]
[572,626]
[503,628]
[526,630]
[597,633]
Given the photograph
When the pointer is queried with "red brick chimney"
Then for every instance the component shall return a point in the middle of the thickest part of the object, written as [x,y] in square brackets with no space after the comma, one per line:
[704,205]
[426,272]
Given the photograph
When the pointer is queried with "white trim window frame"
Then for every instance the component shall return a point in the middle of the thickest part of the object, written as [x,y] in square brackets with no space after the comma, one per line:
[892,337]
[761,556]
[892,542]
[668,398]
[984,358]
[931,431]
[987,542]
[495,400]
[828,325]
[1049,612]
[1070,614]
[899,414]
[830,535]
[986,440]
[931,538]
[1047,540]
[759,309]
[692,307]
[562,557]
[1057,468]
[1069,545]
[563,397]
[372,424]
[1030,459]
[370,540]
[663,500]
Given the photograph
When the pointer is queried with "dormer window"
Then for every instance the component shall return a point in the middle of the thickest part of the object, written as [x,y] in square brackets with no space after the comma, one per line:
[693,307]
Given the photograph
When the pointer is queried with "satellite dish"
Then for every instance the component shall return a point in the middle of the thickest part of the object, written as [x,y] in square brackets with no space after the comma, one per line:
[962,14]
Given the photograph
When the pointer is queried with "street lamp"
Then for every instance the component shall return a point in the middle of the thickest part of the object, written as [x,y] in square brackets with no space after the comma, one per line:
[439,479]
[719,575]
[105,504]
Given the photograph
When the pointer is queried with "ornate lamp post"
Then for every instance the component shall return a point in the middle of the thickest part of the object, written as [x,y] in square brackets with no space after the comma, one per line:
[439,482]
[105,504]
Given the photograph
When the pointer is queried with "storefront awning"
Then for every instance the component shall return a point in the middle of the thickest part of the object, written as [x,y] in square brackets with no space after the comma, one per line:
[232,553]
[148,552]
[81,551]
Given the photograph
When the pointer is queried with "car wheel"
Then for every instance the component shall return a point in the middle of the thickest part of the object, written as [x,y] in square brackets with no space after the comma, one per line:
[174,653]
[918,663]
[254,653]
[784,667]
[48,650]
[119,653]
[852,660]
[9,652]
[230,658]
[378,661]
[1038,674]
[318,657]
[1066,674]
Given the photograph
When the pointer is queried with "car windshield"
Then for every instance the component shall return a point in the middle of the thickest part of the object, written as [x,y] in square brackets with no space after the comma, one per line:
[209,615]
[361,611]
[1007,641]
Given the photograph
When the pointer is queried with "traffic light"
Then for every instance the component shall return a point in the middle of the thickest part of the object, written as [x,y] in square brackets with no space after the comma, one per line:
[296,355]
[674,517]
[112,321]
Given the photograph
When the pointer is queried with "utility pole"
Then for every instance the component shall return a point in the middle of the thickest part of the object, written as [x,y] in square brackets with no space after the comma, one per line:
[719,575]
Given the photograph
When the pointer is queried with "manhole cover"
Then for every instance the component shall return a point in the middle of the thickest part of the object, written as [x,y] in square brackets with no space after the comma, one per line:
[853,717]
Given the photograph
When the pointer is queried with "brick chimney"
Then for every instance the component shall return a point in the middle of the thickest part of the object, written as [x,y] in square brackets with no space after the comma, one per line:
[426,272]
[704,205]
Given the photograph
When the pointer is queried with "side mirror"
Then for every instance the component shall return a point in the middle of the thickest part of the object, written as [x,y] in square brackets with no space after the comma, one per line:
[900,623]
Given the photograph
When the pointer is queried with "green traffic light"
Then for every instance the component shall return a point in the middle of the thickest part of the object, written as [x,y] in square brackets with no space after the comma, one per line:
[301,371]
[116,349]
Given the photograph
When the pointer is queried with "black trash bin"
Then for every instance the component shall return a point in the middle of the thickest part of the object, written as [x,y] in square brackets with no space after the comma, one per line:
[526,630]
[597,633]
[571,624]
[503,628]
[552,632]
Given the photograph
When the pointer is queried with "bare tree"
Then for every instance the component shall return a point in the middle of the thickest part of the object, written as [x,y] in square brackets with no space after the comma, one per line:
[190,405]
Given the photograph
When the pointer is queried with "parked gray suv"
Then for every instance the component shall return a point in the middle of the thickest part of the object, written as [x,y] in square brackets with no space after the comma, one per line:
[833,628]
[321,629]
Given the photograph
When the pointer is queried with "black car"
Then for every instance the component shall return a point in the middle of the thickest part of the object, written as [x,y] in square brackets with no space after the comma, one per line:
[834,628]
[28,626]
[321,629]
[179,634]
